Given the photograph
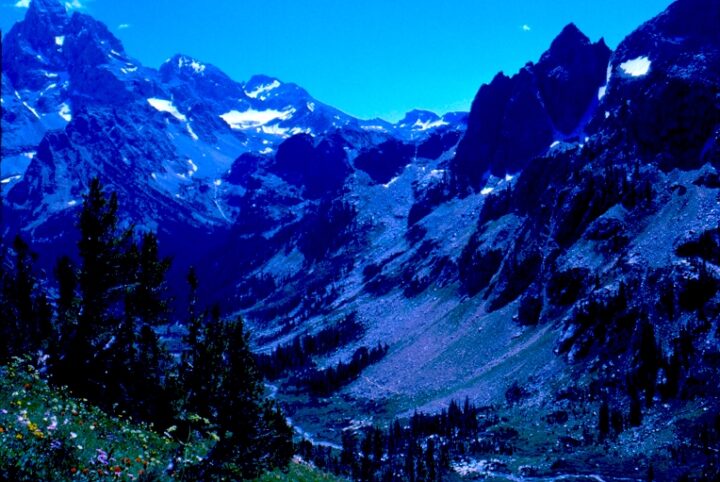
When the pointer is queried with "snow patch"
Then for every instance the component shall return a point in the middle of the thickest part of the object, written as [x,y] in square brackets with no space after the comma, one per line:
[255,118]
[31,109]
[128,70]
[425,125]
[65,112]
[193,166]
[274,130]
[191,63]
[391,182]
[72,203]
[191,132]
[263,88]
[267,150]
[217,182]
[486,191]
[166,106]
[311,106]
[636,67]
[60,40]
[601,92]
[554,144]
[10,179]
[509,178]
[30,155]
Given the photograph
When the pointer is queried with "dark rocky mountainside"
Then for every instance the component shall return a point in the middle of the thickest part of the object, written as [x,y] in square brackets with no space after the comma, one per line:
[552,255]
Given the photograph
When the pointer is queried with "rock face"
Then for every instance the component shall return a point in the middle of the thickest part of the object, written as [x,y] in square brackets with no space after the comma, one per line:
[320,170]
[569,76]
[513,119]
[664,85]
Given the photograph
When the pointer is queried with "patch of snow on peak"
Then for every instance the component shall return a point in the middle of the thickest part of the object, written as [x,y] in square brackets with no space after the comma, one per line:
[391,182]
[191,63]
[486,191]
[554,144]
[274,130]
[267,150]
[31,109]
[191,132]
[254,118]
[193,166]
[65,112]
[60,40]
[509,177]
[636,67]
[425,125]
[166,106]
[311,106]
[10,179]
[263,88]
[128,70]
[601,92]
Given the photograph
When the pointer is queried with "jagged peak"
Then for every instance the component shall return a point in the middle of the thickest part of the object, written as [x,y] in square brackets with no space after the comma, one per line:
[183,62]
[419,115]
[570,37]
[260,80]
[53,11]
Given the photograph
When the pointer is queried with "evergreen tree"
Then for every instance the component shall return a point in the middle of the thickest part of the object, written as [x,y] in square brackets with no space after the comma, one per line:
[246,432]
[26,325]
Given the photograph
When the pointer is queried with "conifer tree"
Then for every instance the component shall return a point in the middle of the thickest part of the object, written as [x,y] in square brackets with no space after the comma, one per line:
[26,324]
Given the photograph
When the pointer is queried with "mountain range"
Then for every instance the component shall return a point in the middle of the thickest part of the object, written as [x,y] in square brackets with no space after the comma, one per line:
[524,255]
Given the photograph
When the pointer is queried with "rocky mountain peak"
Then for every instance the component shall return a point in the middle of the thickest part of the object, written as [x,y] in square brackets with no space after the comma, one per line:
[50,14]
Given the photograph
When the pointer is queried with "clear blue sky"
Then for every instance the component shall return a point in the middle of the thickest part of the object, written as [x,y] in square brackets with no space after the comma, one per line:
[369,58]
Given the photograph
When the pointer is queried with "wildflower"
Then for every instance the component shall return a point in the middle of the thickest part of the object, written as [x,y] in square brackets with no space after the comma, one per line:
[55,444]
[3,411]
[85,470]
[117,469]
[73,435]
[19,436]
[2,429]
[73,470]
[102,457]
[53,424]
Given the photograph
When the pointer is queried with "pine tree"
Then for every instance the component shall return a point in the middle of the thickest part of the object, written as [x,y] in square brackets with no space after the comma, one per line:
[26,314]
[236,395]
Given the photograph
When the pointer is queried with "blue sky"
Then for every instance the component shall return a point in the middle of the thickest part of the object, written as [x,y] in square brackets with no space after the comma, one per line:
[369,58]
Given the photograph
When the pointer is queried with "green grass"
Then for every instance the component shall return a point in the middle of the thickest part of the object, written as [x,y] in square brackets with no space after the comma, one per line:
[47,434]
[298,472]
